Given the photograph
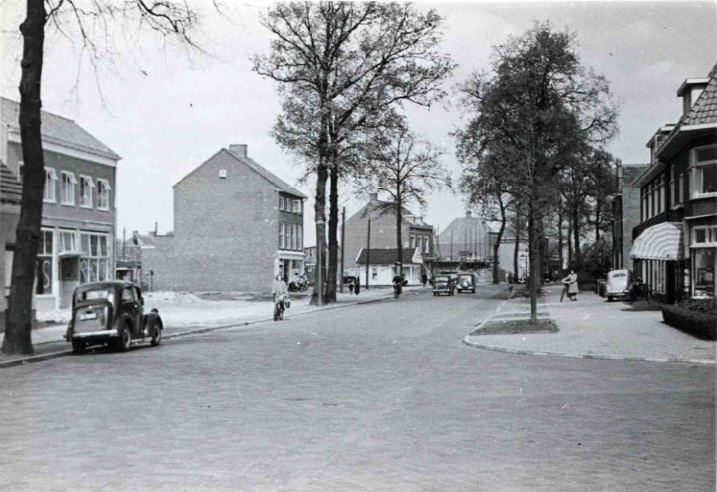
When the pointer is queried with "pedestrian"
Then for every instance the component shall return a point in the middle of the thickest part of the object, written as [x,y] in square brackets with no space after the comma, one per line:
[570,286]
[424,279]
[351,286]
[357,287]
[510,281]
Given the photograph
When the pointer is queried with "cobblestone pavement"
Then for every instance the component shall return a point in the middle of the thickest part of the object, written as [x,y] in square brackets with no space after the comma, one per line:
[384,396]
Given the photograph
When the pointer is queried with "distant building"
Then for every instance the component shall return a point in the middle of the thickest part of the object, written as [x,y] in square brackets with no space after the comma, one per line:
[236,226]
[675,243]
[79,212]
[415,233]
[382,265]
[626,213]
[465,238]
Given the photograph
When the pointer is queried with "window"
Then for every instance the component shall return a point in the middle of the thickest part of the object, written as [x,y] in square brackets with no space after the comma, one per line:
[300,241]
[704,171]
[296,206]
[681,188]
[281,203]
[50,193]
[86,185]
[704,235]
[43,273]
[425,245]
[68,242]
[282,242]
[67,189]
[103,194]
[20,170]
[94,258]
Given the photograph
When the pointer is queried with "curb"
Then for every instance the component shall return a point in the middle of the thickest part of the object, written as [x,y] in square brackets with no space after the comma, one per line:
[584,356]
[54,355]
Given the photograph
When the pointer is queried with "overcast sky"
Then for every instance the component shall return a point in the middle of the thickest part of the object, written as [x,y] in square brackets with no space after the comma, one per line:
[165,113]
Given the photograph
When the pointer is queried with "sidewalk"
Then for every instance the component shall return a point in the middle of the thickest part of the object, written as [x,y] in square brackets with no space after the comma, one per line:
[186,314]
[595,328]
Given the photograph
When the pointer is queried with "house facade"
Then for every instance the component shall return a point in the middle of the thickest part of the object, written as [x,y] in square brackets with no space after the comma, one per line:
[675,243]
[79,210]
[374,227]
[379,265]
[236,226]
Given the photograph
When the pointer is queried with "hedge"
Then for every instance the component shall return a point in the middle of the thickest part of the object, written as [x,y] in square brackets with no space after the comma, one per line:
[700,324]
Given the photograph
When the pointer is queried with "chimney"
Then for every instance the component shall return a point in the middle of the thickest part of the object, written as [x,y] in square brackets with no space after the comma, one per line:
[239,149]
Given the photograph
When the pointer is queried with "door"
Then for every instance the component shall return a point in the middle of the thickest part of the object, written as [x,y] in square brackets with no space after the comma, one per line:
[69,279]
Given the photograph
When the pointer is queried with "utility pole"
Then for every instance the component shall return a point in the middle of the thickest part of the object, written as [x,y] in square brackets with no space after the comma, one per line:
[343,245]
[368,250]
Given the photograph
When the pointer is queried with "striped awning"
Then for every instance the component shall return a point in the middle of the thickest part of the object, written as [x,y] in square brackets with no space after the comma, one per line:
[659,242]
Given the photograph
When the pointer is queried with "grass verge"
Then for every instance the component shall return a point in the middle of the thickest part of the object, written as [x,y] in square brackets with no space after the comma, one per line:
[516,327]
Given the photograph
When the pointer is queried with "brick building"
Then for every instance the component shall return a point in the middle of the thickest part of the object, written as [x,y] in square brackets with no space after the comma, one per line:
[675,244]
[79,215]
[414,232]
[236,225]
[626,213]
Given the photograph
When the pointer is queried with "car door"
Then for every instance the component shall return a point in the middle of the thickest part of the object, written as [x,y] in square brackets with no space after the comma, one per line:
[131,307]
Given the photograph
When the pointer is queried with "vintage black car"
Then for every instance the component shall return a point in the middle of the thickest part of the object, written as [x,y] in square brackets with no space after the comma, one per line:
[442,284]
[466,281]
[111,313]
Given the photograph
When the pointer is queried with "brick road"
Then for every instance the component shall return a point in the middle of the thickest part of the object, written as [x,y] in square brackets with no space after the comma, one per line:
[377,397]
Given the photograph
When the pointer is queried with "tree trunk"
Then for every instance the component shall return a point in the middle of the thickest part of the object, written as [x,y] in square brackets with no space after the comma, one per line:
[533,246]
[576,235]
[399,239]
[560,243]
[322,173]
[27,235]
[496,246]
[516,251]
[331,276]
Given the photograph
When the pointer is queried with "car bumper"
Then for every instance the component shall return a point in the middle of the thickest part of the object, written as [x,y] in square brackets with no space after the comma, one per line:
[93,335]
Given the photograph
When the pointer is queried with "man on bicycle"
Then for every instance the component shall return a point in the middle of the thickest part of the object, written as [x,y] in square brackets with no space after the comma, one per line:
[280,292]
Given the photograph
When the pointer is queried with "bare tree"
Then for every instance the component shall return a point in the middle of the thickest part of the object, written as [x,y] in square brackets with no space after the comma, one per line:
[406,168]
[171,20]
[340,67]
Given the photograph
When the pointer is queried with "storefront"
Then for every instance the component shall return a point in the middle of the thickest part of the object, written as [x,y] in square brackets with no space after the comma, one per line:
[703,245]
[658,253]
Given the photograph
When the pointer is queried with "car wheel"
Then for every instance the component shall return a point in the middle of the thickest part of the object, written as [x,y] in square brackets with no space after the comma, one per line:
[156,333]
[473,291]
[78,347]
[125,341]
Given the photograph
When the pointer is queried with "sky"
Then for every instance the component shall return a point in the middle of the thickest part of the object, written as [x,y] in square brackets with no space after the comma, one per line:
[165,110]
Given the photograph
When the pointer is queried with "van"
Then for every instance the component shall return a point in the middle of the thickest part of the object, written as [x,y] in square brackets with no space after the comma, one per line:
[618,284]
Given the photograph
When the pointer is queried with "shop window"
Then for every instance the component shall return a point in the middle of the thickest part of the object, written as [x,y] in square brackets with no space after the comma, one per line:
[704,271]
[44,266]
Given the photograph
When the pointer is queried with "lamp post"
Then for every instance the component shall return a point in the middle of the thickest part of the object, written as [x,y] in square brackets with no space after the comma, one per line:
[320,261]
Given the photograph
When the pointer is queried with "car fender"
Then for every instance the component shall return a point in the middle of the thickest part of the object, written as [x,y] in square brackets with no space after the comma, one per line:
[150,318]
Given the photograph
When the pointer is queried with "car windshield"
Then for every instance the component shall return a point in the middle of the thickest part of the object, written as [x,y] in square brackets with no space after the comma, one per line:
[618,275]
[441,279]
[89,295]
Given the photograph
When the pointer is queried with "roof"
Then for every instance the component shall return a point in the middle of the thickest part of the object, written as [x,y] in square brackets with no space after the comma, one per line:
[464,229]
[57,129]
[254,166]
[704,109]
[375,208]
[385,256]
[10,186]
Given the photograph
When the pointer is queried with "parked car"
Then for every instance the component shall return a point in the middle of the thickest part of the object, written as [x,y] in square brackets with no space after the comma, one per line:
[618,284]
[442,284]
[111,313]
[466,281]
